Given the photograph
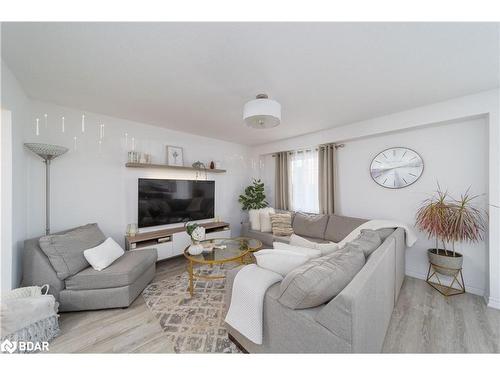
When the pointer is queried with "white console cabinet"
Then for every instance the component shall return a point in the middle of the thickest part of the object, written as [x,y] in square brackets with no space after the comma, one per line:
[172,242]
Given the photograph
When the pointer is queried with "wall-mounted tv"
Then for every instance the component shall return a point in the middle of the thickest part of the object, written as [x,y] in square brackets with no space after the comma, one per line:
[164,202]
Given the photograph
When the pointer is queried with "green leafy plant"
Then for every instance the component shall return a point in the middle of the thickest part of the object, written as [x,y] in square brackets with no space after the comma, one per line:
[254,196]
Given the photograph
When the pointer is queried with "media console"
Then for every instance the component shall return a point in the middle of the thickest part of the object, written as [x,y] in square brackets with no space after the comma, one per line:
[172,241]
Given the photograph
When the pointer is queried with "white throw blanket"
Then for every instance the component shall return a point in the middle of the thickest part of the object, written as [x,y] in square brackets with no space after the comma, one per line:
[247,300]
[411,236]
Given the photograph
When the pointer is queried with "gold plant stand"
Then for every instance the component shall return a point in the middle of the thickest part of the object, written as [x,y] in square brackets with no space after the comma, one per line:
[446,290]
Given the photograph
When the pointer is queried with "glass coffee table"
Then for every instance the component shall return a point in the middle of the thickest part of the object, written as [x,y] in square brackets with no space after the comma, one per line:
[224,250]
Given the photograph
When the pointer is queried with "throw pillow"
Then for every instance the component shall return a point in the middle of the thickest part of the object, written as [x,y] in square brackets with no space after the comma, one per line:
[279,261]
[325,248]
[281,224]
[265,219]
[311,225]
[319,280]
[65,251]
[104,254]
[368,241]
[254,218]
[311,253]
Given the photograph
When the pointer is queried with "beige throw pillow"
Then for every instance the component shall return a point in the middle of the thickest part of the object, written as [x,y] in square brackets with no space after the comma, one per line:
[282,224]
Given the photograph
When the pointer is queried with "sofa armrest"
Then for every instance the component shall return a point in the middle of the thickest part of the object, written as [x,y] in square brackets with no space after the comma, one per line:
[230,275]
[37,269]
[361,313]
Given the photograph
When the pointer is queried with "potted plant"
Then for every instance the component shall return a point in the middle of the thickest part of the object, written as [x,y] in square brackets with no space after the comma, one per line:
[253,199]
[197,234]
[449,221]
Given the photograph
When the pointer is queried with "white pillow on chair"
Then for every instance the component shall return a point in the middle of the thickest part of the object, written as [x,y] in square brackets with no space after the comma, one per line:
[311,253]
[325,248]
[104,254]
[279,261]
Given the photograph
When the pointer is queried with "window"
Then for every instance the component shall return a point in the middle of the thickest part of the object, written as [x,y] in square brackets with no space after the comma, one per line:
[303,181]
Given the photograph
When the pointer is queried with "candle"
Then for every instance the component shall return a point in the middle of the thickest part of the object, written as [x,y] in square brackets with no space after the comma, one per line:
[62,124]
[101,132]
[83,123]
[37,129]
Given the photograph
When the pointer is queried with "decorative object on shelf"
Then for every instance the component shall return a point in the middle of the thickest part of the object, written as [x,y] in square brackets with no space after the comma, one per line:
[262,112]
[212,165]
[134,157]
[47,153]
[218,165]
[396,167]
[175,156]
[449,220]
[199,166]
[132,229]
[145,158]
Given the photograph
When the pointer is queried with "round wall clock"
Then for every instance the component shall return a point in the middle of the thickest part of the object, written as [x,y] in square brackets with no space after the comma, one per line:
[396,167]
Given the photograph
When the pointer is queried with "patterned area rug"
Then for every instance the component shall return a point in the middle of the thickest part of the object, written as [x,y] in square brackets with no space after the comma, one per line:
[193,325]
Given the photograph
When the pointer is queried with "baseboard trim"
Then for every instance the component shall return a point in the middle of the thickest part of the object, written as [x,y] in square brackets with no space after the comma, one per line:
[468,289]
[494,303]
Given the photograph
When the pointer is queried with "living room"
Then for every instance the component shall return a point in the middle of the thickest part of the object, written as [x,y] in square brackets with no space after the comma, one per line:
[192,187]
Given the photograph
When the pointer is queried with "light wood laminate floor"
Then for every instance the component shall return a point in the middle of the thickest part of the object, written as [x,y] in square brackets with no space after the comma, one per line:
[423,322]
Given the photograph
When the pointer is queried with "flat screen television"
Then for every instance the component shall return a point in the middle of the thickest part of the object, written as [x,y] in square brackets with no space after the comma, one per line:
[164,202]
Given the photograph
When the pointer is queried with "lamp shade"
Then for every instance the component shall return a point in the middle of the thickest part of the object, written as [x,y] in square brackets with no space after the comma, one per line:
[46,151]
[262,112]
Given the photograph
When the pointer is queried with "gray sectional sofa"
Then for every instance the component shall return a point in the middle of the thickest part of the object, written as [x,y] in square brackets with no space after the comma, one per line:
[76,285]
[356,320]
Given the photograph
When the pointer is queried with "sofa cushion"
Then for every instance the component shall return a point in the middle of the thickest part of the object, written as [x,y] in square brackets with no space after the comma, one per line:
[124,271]
[65,251]
[319,280]
[310,252]
[367,241]
[281,224]
[385,232]
[325,248]
[265,219]
[340,226]
[310,225]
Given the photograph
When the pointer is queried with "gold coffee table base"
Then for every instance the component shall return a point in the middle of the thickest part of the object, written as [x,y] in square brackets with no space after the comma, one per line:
[236,250]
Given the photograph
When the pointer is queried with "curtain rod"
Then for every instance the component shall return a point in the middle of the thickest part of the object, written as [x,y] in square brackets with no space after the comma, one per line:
[337,146]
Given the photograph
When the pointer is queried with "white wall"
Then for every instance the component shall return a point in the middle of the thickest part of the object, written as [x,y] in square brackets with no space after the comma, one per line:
[463,109]
[14,100]
[89,185]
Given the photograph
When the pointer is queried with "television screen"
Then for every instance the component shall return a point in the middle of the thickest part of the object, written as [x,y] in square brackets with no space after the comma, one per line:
[174,201]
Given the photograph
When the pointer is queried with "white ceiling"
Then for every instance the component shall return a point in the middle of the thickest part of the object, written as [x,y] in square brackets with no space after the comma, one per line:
[195,77]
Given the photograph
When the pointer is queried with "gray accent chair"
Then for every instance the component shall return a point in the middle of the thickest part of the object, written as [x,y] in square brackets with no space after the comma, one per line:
[354,321]
[116,286]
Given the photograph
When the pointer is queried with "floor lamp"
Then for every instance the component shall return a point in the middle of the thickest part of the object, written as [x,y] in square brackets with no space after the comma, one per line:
[47,153]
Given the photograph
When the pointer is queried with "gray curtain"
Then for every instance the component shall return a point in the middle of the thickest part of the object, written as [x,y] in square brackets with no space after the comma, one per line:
[326,176]
[281,185]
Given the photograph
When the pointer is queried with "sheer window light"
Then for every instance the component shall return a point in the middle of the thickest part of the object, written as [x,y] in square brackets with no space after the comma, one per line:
[303,181]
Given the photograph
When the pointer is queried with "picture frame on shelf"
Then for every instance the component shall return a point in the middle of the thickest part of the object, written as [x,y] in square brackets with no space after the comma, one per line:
[175,156]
